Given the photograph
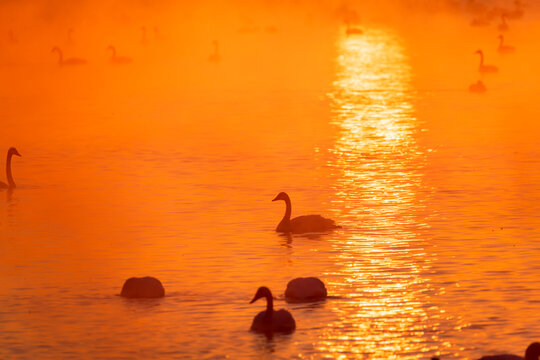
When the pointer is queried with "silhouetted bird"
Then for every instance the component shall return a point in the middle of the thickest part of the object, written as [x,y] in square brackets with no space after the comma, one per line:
[503,26]
[504,49]
[532,353]
[302,224]
[69,61]
[215,57]
[145,287]
[485,69]
[478,87]
[9,176]
[305,290]
[118,60]
[270,321]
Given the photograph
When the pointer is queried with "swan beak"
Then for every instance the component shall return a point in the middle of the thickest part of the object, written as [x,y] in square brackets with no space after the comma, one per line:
[255,299]
[17,153]
[276,198]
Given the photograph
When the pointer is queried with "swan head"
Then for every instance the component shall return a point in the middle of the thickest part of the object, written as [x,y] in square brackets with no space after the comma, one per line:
[263,291]
[281,196]
[55,48]
[480,52]
[13,151]
[110,47]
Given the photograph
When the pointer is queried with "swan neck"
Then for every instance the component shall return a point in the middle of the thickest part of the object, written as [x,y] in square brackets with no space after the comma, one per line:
[288,210]
[9,175]
[481,58]
[269,306]
[501,41]
[60,56]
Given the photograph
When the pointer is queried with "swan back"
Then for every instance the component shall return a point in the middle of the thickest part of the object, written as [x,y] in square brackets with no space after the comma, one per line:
[305,290]
[145,287]
[532,353]
[311,223]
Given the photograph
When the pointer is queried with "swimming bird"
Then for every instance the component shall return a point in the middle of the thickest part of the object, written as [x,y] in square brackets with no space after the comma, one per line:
[145,287]
[118,60]
[302,224]
[269,321]
[68,61]
[352,30]
[485,69]
[503,26]
[11,184]
[215,57]
[305,290]
[478,87]
[504,49]
[532,353]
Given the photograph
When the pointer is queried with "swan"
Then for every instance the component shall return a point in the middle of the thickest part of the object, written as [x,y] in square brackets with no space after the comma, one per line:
[504,49]
[485,69]
[11,184]
[478,87]
[118,60]
[269,321]
[503,26]
[305,290]
[302,224]
[145,287]
[69,61]
[353,30]
[215,57]
[532,353]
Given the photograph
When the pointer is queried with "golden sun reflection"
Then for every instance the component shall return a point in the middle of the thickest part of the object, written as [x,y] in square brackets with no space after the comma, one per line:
[384,268]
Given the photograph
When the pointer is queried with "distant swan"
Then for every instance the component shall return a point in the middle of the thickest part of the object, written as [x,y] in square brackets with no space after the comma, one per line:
[353,30]
[269,321]
[215,57]
[504,49]
[145,287]
[118,60]
[478,87]
[69,61]
[532,353]
[485,69]
[11,184]
[305,290]
[302,224]
[517,13]
[503,26]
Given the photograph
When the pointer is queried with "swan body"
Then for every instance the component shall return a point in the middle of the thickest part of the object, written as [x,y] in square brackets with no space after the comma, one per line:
[68,61]
[353,30]
[215,57]
[118,60]
[270,321]
[11,184]
[485,69]
[478,87]
[504,49]
[145,287]
[305,290]
[532,353]
[302,224]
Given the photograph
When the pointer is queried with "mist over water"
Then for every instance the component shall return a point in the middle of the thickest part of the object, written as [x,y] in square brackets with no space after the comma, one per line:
[167,166]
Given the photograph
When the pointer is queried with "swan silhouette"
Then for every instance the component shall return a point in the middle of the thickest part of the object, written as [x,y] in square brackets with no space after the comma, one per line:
[532,353]
[145,287]
[302,224]
[68,61]
[485,69]
[215,57]
[504,49]
[118,60]
[305,290]
[11,184]
[503,26]
[270,321]
[478,87]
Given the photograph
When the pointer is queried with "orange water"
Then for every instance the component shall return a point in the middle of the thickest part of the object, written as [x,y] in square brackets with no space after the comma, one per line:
[167,167]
